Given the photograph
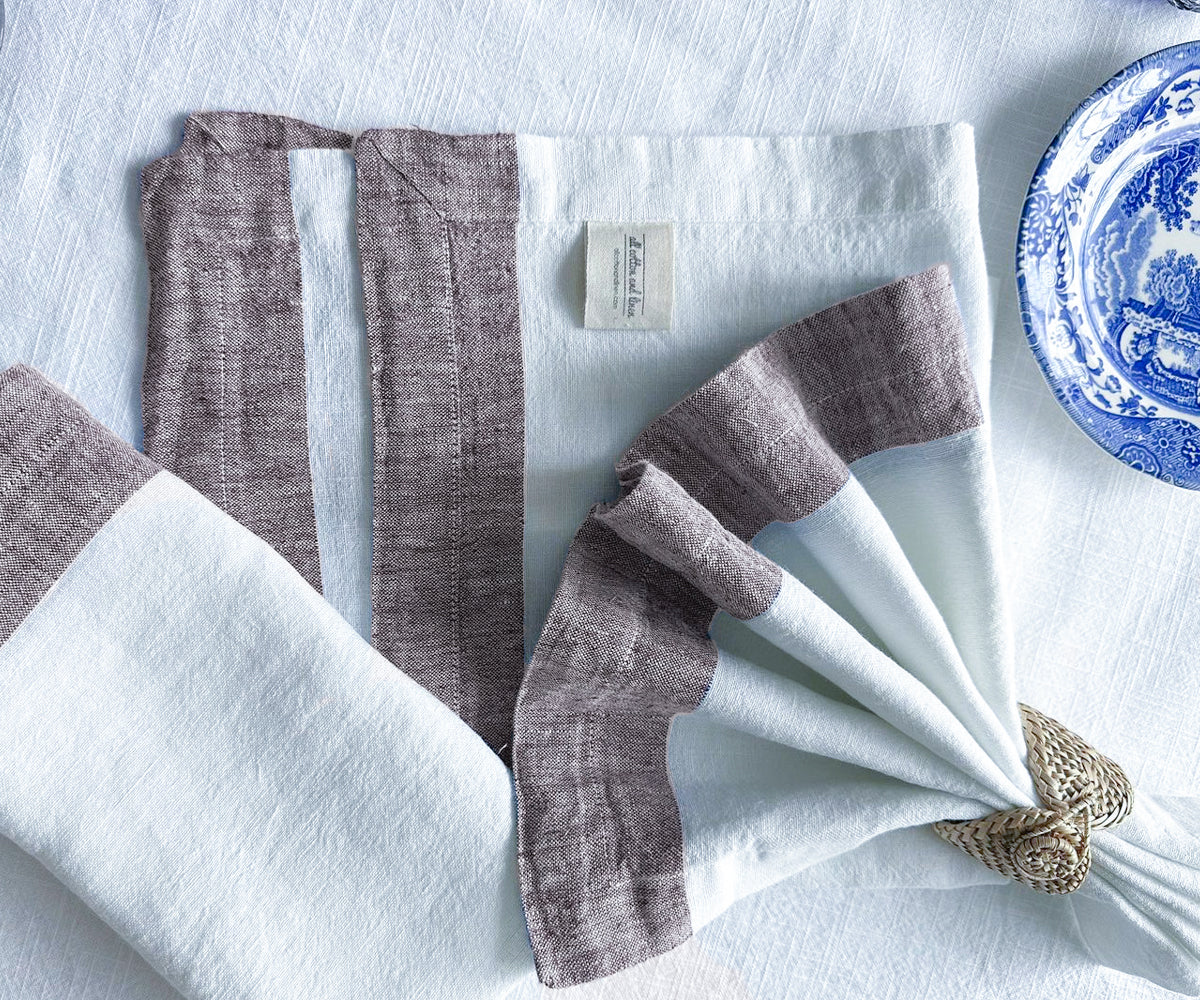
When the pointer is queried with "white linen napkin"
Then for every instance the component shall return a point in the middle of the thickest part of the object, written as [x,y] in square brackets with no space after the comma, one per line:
[831,492]
[203,751]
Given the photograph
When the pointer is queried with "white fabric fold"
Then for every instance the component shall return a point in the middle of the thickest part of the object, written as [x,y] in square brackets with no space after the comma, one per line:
[208,755]
[779,776]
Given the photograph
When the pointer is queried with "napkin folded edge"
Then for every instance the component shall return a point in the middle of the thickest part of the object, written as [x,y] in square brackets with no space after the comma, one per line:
[63,474]
[225,402]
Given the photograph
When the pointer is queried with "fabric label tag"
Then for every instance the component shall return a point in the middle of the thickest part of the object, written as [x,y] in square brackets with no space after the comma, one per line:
[630,276]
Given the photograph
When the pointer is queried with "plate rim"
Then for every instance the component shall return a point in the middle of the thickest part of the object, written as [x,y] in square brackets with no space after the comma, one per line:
[1068,406]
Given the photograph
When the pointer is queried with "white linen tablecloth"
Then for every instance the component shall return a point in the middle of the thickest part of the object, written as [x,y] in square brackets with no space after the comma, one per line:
[1100,558]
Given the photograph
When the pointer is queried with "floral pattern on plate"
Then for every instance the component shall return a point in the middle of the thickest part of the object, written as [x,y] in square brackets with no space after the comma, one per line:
[1108,265]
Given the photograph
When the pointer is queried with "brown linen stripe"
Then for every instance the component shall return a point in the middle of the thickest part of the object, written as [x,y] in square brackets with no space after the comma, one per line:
[62,476]
[224,402]
[437,229]
[224,391]
[661,520]
[625,647]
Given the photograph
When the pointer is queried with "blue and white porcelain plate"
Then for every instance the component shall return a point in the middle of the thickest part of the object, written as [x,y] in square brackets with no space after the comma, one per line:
[1108,265]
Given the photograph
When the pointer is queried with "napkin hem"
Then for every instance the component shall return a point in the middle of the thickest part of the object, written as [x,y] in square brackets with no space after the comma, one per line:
[62,476]
[224,395]
[437,230]
[224,402]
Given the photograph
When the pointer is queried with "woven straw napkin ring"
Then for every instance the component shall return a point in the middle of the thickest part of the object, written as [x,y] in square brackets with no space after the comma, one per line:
[1048,848]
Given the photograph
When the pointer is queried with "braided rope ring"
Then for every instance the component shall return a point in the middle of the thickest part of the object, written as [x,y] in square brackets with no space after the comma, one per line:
[1049,849]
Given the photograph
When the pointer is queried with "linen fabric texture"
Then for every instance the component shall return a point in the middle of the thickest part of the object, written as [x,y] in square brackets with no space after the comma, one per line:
[893,729]
[215,762]
[1100,558]
[829,498]
[225,395]
[720,853]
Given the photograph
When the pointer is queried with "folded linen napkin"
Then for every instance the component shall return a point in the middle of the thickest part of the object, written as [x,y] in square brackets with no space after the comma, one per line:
[829,497]
[301,279]
[203,751]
